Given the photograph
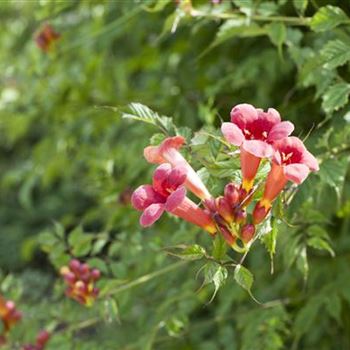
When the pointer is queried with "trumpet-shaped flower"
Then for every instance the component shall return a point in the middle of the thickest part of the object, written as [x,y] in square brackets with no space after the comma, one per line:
[168,193]
[291,162]
[254,130]
[168,152]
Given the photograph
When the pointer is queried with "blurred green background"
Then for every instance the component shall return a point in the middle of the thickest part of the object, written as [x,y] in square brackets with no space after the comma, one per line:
[68,162]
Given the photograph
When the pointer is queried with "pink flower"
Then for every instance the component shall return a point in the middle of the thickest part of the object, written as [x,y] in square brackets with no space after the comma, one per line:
[168,193]
[168,152]
[291,162]
[254,130]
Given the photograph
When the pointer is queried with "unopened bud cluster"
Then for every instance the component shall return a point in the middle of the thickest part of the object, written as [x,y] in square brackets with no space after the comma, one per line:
[230,215]
[81,282]
[41,340]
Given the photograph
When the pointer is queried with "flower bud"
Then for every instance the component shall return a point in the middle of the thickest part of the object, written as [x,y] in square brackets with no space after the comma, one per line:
[260,212]
[247,232]
[210,204]
[219,219]
[224,209]
[232,194]
[95,274]
[240,216]
[42,338]
[229,238]
[74,265]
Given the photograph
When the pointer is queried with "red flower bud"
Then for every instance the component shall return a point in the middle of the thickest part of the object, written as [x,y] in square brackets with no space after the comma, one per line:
[224,209]
[247,232]
[74,265]
[260,212]
[229,238]
[240,216]
[42,338]
[232,194]
[95,274]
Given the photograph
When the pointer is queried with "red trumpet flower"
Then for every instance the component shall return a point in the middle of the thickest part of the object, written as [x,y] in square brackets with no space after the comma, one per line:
[168,152]
[291,162]
[168,193]
[254,131]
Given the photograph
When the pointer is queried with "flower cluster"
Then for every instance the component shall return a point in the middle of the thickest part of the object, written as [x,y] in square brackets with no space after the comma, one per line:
[41,340]
[259,135]
[46,37]
[81,280]
[9,316]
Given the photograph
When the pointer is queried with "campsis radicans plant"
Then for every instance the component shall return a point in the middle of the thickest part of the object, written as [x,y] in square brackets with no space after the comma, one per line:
[46,37]
[9,316]
[81,282]
[259,135]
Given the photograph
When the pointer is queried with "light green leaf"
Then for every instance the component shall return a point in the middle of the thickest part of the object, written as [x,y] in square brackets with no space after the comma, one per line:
[327,17]
[219,248]
[335,53]
[215,274]
[245,279]
[300,5]
[192,252]
[320,244]
[140,112]
[277,33]
[237,27]
[111,310]
[335,97]
[269,240]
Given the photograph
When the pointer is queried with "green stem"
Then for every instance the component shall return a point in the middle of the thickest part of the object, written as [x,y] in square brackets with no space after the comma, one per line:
[297,21]
[146,278]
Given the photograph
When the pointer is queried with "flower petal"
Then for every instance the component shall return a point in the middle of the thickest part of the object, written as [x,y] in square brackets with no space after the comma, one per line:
[160,177]
[296,172]
[258,148]
[153,155]
[177,177]
[280,130]
[243,114]
[144,196]
[151,214]
[310,161]
[232,133]
[274,115]
[175,199]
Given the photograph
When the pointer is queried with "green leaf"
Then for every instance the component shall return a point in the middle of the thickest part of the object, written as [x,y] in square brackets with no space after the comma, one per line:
[140,112]
[333,306]
[335,97]
[157,139]
[237,27]
[219,248]
[215,274]
[245,279]
[277,33]
[327,17]
[302,262]
[270,238]
[193,252]
[80,242]
[335,53]
[320,244]
[111,310]
[307,315]
[300,5]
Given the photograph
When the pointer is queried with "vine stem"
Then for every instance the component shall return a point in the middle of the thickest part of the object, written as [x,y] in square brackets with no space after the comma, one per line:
[146,278]
[298,21]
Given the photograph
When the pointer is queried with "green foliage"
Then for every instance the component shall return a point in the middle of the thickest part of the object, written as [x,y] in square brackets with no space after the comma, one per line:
[73,125]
